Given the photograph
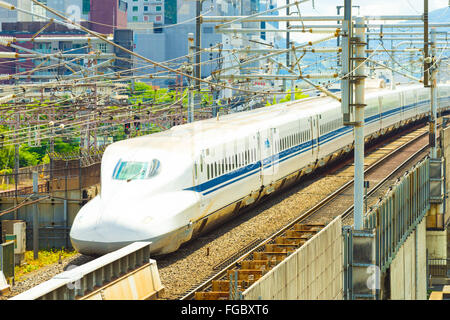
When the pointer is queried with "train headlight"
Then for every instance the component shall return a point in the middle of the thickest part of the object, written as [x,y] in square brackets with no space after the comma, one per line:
[147,220]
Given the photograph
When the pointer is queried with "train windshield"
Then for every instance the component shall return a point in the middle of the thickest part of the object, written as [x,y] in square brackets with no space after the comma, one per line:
[131,170]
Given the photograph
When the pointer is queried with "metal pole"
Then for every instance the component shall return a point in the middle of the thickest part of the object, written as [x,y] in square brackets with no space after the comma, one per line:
[66,222]
[288,43]
[426,65]
[191,84]
[35,218]
[346,89]
[16,163]
[198,45]
[359,125]
[292,81]
[215,107]
[433,95]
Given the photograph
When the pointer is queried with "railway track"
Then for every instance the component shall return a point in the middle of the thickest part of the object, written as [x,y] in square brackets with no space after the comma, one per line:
[247,266]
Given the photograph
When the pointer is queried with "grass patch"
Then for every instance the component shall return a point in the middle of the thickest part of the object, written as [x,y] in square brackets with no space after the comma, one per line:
[45,258]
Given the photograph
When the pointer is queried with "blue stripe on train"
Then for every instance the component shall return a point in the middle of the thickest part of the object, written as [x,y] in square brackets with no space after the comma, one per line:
[244,172]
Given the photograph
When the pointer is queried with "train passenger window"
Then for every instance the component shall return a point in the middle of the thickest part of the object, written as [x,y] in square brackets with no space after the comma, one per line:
[215,169]
[207,171]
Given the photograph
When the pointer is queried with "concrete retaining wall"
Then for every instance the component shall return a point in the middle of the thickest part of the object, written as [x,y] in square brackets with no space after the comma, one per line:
[314,271]
[408,278]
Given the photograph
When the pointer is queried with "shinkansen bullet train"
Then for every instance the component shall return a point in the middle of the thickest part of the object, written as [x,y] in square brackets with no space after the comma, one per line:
[172,186]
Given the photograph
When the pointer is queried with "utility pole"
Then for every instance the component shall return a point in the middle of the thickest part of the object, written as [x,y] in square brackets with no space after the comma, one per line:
[426,65]
[35,217]
[16,162]
[290,66]
[359,105]
[433,95]
[338,9]
[346,88]
[288,43]
[353,106]
[190,117]
[198,45]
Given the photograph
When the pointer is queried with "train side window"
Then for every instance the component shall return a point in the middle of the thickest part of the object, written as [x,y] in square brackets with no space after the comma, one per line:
[207,171]
[215,169]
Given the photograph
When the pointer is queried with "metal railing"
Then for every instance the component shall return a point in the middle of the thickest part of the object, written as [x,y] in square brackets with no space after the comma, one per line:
[81,280]
[397,214]
[439,268]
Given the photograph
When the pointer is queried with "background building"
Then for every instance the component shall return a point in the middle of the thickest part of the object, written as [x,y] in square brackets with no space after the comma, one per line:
[166,39]
[103,16]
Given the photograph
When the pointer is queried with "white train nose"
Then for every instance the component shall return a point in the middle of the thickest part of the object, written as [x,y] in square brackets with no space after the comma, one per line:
[96,248]
[99,240]
[96,243]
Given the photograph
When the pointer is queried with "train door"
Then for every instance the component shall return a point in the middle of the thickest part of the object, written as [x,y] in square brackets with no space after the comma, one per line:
[315,134]
[269,160]
[200,176]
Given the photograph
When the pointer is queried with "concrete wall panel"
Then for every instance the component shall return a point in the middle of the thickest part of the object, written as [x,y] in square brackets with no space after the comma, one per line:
[408,269]
[314,271]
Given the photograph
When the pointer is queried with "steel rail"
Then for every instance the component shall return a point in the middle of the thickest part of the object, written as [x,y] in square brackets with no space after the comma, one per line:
[348,211]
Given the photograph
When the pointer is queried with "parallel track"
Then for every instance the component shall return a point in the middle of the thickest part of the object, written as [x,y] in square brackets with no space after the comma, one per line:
[322,209]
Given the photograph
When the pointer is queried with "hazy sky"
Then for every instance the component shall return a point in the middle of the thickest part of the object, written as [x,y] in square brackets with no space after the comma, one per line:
[369,7]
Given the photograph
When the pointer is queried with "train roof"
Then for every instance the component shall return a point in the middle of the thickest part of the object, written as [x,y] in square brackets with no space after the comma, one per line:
[205,133]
